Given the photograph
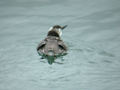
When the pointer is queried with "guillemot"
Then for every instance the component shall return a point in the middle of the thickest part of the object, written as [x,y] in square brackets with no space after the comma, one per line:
[52,46]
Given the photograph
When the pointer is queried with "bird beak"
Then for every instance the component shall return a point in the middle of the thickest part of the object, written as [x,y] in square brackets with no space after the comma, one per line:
[64,27]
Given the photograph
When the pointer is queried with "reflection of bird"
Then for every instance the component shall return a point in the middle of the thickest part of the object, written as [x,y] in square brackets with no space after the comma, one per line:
[52,46]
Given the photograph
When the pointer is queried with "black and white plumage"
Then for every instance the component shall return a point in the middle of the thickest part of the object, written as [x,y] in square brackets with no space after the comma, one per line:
[52,46]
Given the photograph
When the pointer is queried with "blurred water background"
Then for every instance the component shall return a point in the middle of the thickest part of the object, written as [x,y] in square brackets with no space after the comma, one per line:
[92,35]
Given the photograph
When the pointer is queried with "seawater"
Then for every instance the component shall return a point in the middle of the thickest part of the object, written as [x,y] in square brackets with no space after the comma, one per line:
[92,36]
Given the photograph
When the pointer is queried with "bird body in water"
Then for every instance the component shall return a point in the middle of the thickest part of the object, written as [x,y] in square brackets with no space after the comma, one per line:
[52,46]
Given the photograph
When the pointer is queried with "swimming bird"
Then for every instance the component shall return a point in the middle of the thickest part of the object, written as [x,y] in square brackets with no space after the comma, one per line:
[52,46]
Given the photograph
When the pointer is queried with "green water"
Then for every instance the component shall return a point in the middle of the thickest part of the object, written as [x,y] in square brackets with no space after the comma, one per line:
[92,36]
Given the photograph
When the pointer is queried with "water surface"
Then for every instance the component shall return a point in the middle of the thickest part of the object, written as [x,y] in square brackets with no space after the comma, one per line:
[92,35]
